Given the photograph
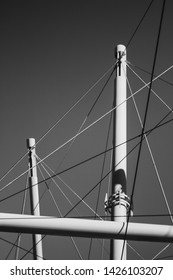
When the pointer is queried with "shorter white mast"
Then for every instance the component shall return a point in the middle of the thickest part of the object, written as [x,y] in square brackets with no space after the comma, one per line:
[34,197]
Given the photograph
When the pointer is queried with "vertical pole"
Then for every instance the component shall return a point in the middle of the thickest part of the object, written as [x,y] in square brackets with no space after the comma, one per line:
[34,197]
[119,174]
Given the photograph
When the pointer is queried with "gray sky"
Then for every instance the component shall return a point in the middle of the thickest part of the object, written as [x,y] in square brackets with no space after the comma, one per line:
[52,52]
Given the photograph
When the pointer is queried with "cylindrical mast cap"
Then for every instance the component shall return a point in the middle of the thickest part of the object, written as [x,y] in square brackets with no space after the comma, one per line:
[120,48]
[30,142]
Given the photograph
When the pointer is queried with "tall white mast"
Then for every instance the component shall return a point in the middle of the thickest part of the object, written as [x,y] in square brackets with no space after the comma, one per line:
[118,202]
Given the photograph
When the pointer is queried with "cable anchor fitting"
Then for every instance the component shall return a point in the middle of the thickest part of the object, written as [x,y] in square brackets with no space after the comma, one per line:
[119,198]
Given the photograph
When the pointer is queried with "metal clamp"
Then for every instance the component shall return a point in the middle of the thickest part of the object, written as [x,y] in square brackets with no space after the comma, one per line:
[119,198]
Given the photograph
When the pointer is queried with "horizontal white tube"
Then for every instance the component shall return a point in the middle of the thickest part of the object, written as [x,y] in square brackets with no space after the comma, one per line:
[84,228]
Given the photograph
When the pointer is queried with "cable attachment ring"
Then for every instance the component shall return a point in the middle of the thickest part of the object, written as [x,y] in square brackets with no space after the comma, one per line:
[119,198]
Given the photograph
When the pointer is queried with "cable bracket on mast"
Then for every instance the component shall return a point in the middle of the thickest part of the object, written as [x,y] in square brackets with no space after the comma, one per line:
[119,198]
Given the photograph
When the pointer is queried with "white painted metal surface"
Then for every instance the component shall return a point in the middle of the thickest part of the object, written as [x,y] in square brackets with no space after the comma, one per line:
[119,211]
[34,197]
[84,228]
